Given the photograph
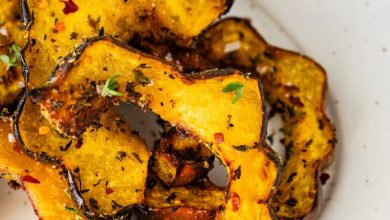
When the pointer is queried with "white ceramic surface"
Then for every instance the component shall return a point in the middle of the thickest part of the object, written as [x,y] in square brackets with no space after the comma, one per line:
[351,39]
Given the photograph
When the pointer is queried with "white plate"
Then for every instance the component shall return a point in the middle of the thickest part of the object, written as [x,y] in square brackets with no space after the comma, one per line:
[351,39]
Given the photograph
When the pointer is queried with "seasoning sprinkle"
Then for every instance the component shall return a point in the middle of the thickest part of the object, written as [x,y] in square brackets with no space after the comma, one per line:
[70,209]
[243,148]
[141,78]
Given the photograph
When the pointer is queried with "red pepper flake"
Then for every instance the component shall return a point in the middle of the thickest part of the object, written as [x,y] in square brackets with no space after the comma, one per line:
[109,191]
[30,179]
[17,149]
[235,201]
[219,138]
[70,7]
[59,27]
[324,177]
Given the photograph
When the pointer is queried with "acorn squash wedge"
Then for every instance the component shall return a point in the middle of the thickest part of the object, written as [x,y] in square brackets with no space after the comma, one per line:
[56,27]
[46,188]
[106,167]
[295,86]
[154,85]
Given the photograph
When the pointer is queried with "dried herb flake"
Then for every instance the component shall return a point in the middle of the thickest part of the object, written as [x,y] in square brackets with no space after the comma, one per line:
[141,78]
[137,158]
[242,148]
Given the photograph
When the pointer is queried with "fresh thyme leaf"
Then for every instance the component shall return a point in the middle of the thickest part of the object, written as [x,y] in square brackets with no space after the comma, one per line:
[15,52]
[111,87]
[232,87]
[238,94]
[13,61]
[5,59]
[237,88]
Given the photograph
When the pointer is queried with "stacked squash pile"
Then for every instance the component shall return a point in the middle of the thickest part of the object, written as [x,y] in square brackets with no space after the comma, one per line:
[64,142]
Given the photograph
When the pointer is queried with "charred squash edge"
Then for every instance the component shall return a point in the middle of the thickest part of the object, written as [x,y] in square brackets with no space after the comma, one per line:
[65,66]
[34,155]
[327,159]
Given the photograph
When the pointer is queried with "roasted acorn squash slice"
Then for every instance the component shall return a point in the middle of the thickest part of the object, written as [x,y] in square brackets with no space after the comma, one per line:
[106,167]
[295,86]
[56,27]
[200,105]
[46,188]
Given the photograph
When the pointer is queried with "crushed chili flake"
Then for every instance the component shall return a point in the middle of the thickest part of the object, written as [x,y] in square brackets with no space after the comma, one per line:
[17,149]
[59,27]
[235,201]
[219,138]
[109,191]
[70,7]
[30,179]
[324,177]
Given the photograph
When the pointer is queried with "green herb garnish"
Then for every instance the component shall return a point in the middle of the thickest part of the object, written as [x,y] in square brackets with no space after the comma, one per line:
[111,87]
[11,61]
[237,88]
